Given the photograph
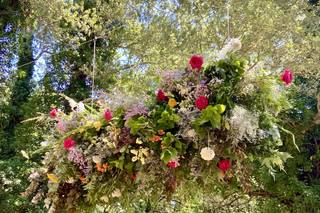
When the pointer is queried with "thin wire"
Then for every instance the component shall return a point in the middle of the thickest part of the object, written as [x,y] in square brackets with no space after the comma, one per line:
[39,56]
[228,15]
[93,69]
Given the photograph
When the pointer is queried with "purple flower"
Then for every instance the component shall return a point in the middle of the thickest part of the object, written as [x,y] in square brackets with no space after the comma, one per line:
[138,109]
[77,157]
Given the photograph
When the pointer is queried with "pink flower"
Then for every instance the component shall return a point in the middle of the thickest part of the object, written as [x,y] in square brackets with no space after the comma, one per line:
[287,76]
[68,143]
[53,113]
[161,96]
[196,62]
[107,115]
[224,165]
[202,102]
[173,164]
[61,126]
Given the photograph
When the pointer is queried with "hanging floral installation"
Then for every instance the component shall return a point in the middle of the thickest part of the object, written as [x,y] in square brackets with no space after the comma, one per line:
[218,120]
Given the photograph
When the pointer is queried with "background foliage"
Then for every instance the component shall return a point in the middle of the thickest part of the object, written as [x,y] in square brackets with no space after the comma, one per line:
[47,48]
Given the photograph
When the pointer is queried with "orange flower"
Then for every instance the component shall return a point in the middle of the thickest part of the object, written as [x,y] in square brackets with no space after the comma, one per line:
[102,167]
[172,102]
[83,179]
[161,132]
[155,138]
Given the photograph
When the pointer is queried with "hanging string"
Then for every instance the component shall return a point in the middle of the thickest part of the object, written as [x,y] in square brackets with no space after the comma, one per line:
[228,17]
[93,69]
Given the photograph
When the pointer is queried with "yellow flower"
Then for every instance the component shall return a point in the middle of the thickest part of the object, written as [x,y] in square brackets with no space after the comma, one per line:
[53,178]
[97,125]
[172,102]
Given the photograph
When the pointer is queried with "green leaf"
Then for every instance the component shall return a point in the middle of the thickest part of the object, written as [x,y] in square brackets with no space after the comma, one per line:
[212,114]
[165,156]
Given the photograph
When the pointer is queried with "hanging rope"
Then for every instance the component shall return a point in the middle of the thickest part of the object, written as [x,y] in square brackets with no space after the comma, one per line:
[93,69]
[228,16]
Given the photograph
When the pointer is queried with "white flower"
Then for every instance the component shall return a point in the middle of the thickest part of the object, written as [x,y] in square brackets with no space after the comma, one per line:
[244,124]
[80,107]
[34,176]
[116,193]
[233,45]
[104,198]
[207,153]
[44,143]
[96,159]
[191,133]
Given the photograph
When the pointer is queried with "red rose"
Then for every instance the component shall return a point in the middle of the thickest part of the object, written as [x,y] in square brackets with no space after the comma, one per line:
[173,164]
[224,165]
[133,177]
[287,76]
[202,102]
[53,113]
[196,62]
[68,143]
[107,115]
[161,96]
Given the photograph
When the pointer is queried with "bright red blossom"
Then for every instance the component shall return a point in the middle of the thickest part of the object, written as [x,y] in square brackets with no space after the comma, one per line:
[161,96]
[224,165]
[53,113]
[202,102]
[287,76]
[107,115]
[173,164]
[68,143]
[133,177]
[196,62]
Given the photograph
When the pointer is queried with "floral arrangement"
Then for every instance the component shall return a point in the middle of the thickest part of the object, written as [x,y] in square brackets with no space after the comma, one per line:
[219,121]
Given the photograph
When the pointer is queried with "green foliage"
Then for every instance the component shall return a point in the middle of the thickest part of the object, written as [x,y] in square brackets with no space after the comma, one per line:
[230,73]
[137,124]
[168,120]
[211,114]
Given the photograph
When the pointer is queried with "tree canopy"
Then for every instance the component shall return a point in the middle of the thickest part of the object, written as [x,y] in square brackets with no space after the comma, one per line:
[121,50]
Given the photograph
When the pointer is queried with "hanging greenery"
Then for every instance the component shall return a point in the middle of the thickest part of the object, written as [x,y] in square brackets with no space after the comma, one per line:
[218,121]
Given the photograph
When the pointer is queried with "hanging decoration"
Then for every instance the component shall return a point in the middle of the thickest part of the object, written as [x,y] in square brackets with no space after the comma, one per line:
[217,120]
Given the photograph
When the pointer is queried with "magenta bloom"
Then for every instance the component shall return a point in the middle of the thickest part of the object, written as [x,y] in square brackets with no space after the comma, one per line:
[173,164]
[68,143]
[161,96]
[287,76]
[53,113]
[196,62]
[202,102]
[224,165]
[107,115]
